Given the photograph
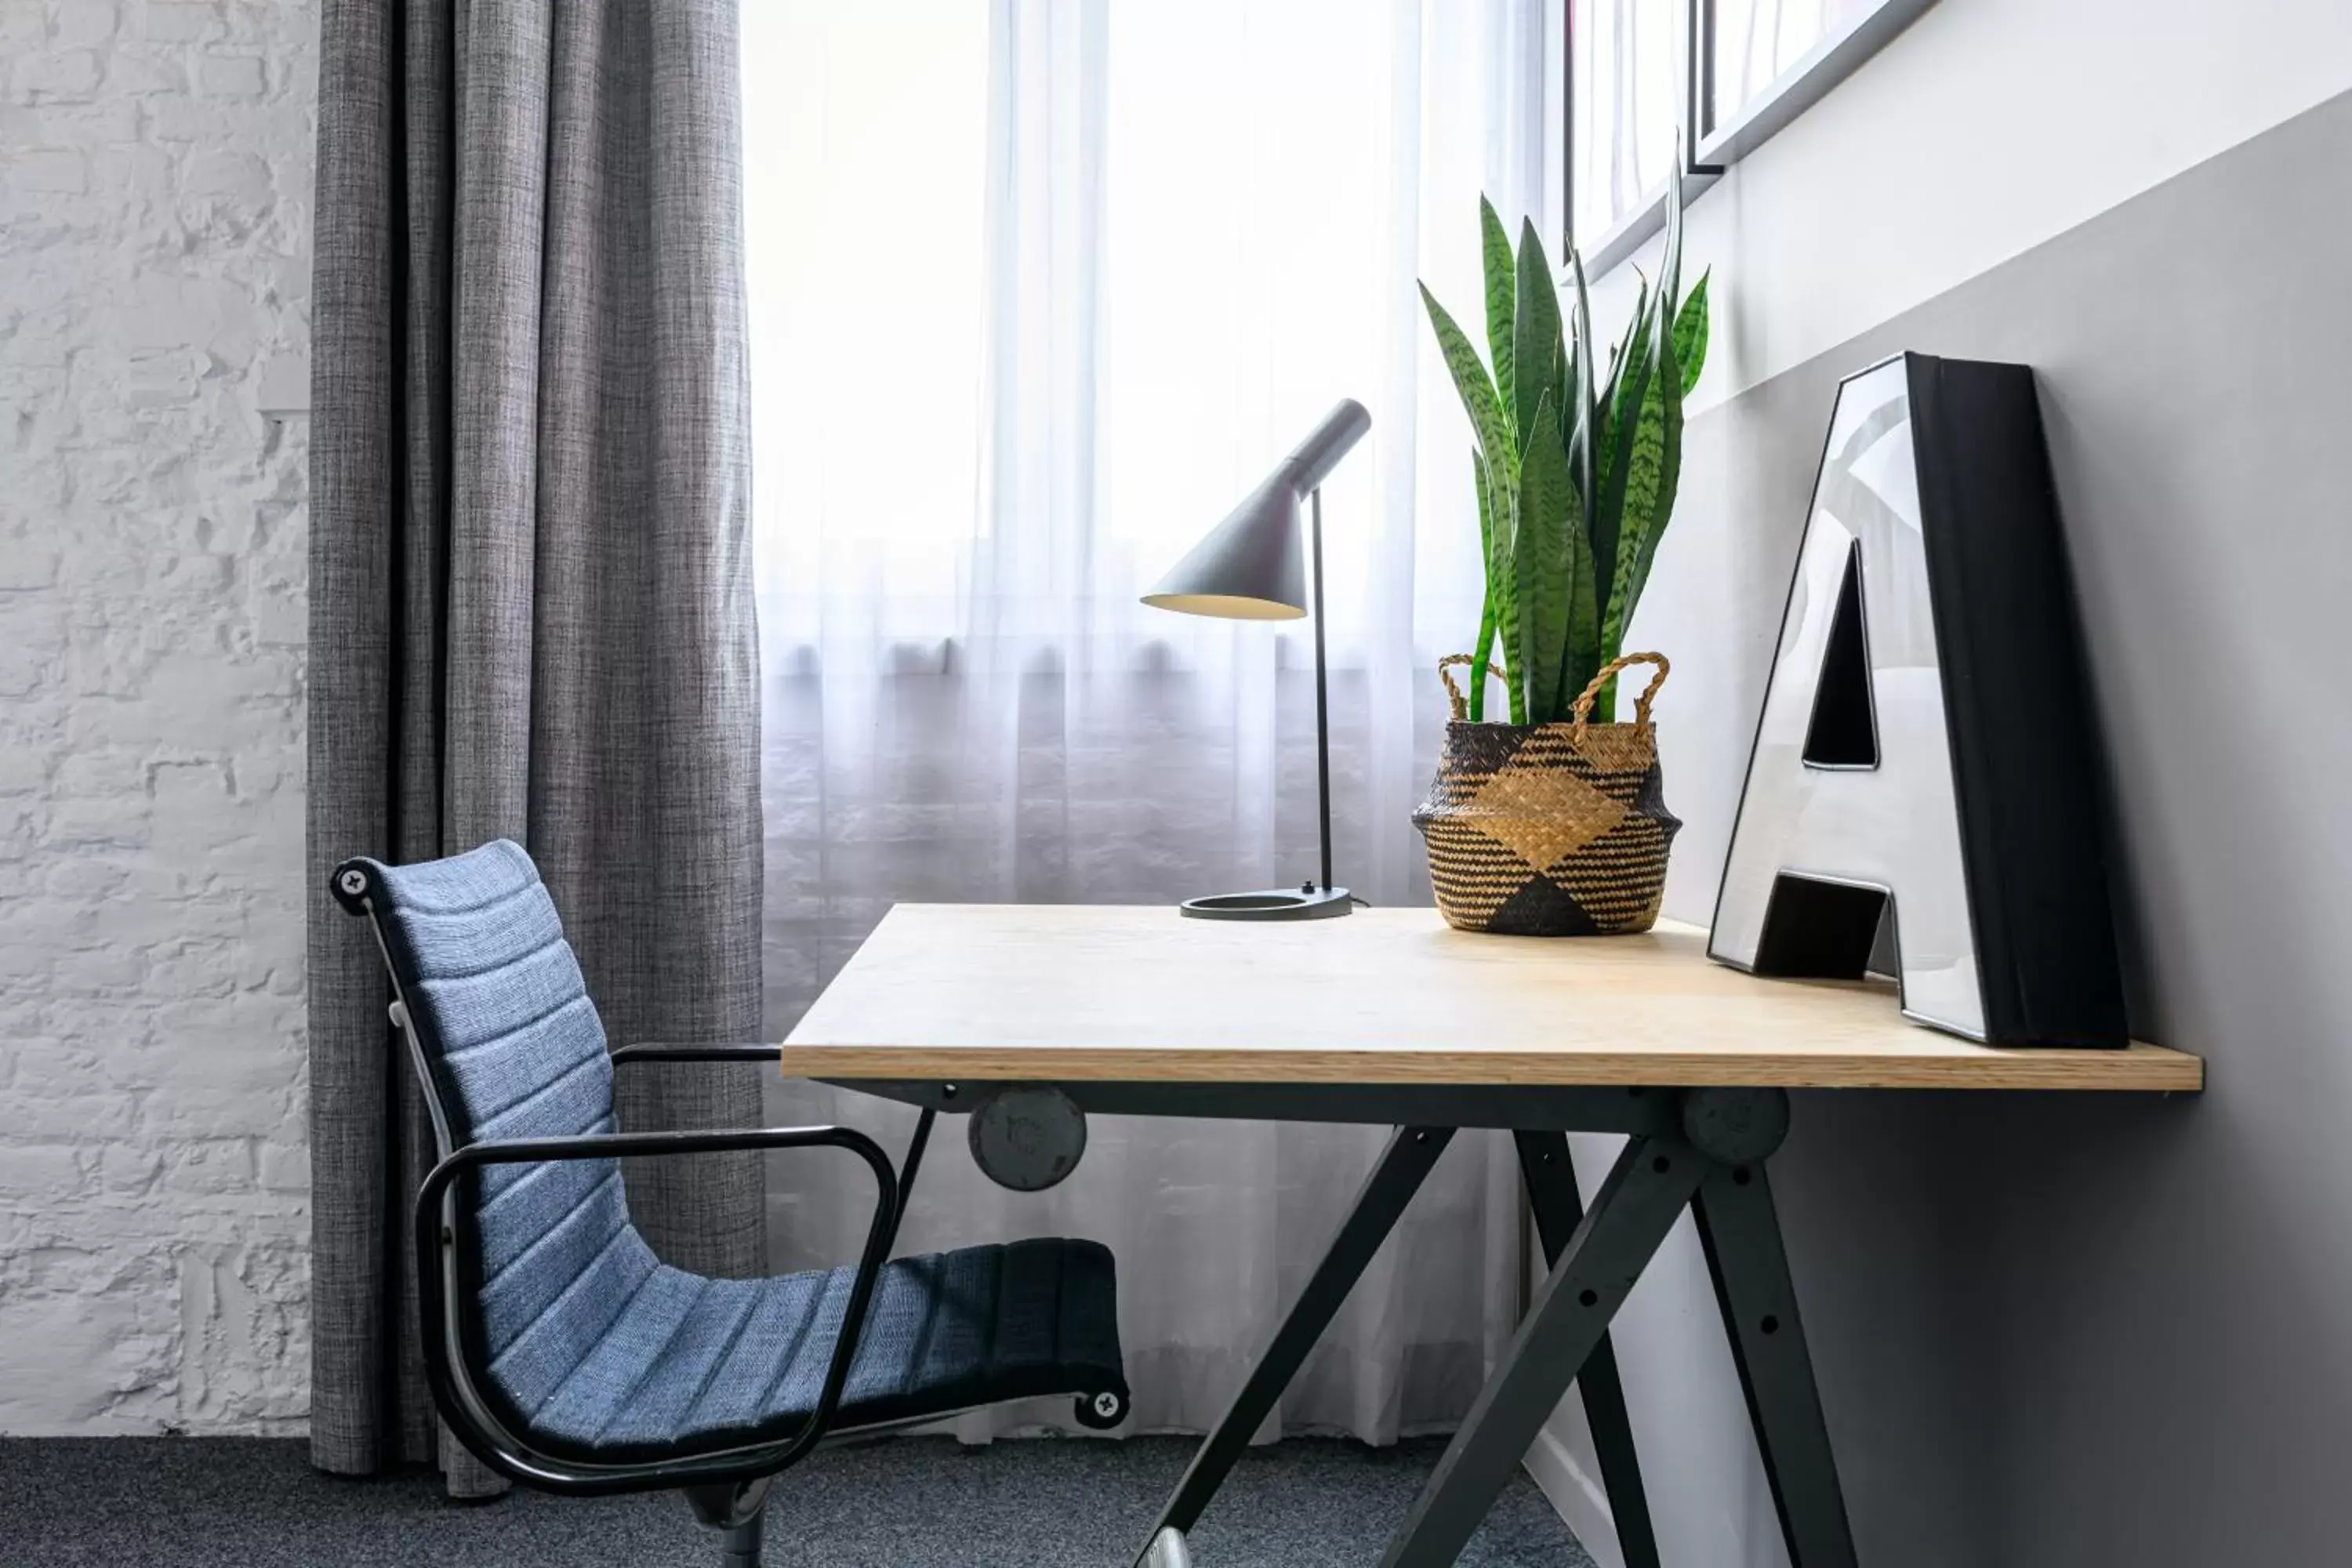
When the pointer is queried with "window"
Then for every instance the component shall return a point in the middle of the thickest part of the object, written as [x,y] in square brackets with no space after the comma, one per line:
[1636,81]
[1624,106]
[1036,292]
[1751,44]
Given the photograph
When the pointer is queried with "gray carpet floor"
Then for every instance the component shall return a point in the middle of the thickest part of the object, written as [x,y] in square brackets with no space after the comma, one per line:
[908,1503]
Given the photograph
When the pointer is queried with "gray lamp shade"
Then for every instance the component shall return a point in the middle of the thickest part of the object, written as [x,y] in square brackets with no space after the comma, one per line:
[1253,565]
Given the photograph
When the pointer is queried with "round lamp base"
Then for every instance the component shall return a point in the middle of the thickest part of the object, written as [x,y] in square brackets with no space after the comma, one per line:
[1271,904]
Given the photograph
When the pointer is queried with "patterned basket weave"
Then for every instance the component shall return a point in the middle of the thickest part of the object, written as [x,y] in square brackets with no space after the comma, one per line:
[1549,829]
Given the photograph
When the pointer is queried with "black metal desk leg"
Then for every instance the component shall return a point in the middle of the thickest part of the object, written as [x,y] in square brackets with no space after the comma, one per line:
[1742,1234]
[1652,1181]
[1559,1209]
[1394,1180]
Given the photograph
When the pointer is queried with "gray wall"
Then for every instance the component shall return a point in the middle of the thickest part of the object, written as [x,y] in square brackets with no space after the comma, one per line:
[2071,1330]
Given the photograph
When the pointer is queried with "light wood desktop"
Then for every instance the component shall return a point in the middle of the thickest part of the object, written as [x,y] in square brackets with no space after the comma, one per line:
[1047,992]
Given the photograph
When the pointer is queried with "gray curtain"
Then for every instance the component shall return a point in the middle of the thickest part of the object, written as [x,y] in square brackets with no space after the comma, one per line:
[531,594]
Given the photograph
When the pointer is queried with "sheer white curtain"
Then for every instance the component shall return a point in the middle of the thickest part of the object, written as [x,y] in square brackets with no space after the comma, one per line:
[1038,289]
[1627,59]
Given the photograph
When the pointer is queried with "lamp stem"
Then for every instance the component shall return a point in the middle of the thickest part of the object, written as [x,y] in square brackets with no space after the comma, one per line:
[1322,696]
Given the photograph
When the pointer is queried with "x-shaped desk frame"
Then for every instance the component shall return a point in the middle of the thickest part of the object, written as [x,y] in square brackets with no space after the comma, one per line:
[1703,1148]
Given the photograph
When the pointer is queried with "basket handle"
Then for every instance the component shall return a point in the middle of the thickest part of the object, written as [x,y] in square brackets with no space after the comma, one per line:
[1583,708]
[1461,704]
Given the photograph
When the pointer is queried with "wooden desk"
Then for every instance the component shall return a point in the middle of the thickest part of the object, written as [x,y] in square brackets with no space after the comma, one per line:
[1388,1017]
[1049,992]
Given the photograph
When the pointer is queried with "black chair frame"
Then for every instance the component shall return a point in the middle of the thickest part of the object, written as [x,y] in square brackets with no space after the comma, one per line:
[727,1489]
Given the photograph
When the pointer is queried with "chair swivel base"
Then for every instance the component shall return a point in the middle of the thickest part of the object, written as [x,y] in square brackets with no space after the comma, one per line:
[737,1511]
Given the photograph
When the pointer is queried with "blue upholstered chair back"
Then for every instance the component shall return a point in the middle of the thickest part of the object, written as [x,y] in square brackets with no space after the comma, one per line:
[513,1049]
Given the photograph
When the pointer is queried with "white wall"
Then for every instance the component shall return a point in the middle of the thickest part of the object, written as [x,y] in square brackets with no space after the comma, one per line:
[1986,128]
[155,172]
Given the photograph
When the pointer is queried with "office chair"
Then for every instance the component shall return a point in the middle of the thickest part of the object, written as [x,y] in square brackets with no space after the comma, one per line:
[568,1357]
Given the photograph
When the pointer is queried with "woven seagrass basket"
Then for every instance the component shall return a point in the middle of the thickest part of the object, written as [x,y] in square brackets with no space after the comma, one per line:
[1549,829]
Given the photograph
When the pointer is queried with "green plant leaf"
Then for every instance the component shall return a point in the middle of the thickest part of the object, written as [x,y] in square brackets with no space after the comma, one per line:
[1690,334]
[1586,434]
[1501,533]
[1581,655]
[1480,661]
[1616,479]
[1653,469]
[1648,436]
[1617,351]
[1501,317]
[1540,562]
[1487,627]
[1495,460]
[1538,354]
[1670,468]
[1488,420]
[1670,259]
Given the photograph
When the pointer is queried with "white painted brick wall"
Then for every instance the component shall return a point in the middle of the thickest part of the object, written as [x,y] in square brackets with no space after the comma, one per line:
[155,169]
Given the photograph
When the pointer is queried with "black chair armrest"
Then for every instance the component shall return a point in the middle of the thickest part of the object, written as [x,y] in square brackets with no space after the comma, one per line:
[879,1235]
[652,1051]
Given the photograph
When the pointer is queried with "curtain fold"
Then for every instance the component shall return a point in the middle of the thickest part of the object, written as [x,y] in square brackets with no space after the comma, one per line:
[1039,290]
[531,607]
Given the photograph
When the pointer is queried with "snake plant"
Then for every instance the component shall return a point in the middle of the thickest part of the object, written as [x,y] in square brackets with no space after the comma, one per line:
[1575,463]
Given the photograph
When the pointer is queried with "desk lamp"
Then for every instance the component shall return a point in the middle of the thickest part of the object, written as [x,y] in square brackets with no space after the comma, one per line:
[1249,568]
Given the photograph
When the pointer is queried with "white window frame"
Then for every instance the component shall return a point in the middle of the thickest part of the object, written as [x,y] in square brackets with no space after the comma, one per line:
[1710,147]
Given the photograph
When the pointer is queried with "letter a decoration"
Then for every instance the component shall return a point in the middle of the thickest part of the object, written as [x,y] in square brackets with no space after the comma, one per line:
[1923,798]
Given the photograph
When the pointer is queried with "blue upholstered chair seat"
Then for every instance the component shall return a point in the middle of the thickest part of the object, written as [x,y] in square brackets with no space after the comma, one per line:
[692,1364]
